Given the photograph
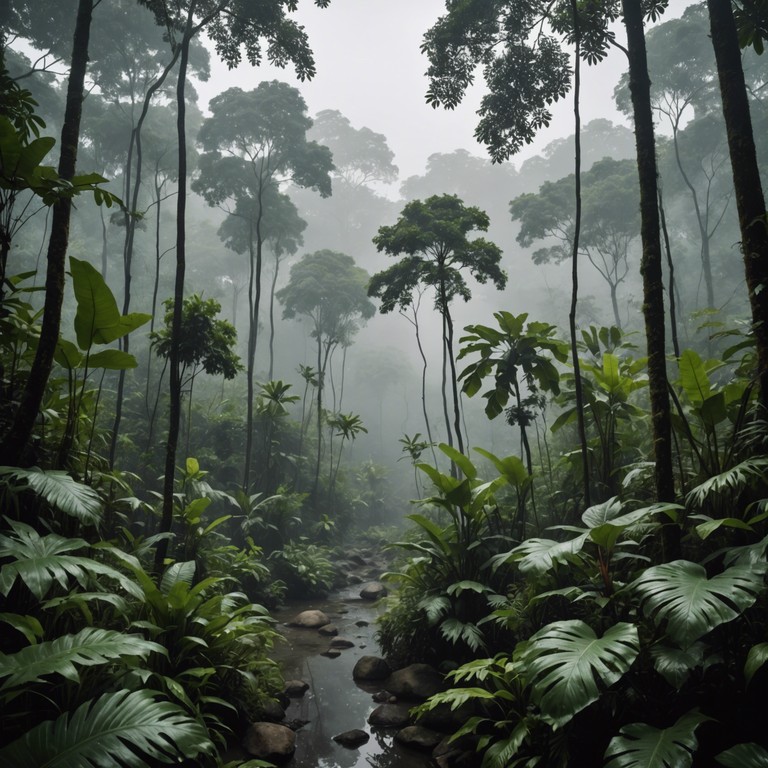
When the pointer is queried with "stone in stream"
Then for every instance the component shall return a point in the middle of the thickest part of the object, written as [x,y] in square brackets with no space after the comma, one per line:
[374,590]
[418,737]
[331,653]
[417,682]
[311,619]
[329,630]
[295,689]
[361,623]
[341,642]
[371,668]
[384,697]
[352,739]
[272,710]
[390,716]
[270,741]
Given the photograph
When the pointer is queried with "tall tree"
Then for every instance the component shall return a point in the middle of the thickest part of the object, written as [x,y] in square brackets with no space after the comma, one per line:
[255,141]
[232,25]
[432,237]
[330,289]
[750,201]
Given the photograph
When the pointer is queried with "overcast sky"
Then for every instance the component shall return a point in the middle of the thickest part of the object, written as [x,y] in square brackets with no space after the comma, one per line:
[370,68]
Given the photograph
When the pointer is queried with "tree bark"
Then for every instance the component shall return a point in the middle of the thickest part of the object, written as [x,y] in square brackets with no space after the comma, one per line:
[15,441]
[750,201]
[650,268]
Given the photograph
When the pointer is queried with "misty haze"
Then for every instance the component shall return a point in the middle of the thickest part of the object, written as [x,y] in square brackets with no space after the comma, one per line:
[383,383]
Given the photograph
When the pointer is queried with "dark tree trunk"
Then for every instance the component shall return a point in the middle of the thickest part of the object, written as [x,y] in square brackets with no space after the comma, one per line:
[671,269]
[575,262]
[650,268]
[14,443]
[174,418]
[750,201]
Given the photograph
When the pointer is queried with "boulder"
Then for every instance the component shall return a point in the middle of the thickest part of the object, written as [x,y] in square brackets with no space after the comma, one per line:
[384,697]
[272,710]
[329,630]
[371,668]
[374,590]
[331,653]
[342,642]
[390,716]
[443,718]
[295,689]
[270,741]
[311,619]
[352,739]
[416,682]
[418,737]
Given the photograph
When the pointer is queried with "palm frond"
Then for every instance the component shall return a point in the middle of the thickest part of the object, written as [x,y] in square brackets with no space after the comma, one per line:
[65,654]
[124,728]
[59,490]
[735,479]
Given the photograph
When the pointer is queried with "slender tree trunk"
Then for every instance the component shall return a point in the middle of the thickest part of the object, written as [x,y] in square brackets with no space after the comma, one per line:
[579,390]
[272,288]
[454,383]
[14,443]
[671,268]
[250,362]
[103,244]
[750,201]
[178,300]
[650,267]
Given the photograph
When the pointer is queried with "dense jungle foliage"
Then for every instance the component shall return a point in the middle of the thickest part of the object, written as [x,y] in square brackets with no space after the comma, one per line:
[206,320]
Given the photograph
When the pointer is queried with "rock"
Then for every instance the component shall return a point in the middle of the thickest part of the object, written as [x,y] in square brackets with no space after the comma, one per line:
[353,579]
[352,739]
[390,716]
[361,623]
[312,619]
[374,590]
[331,653]
[270,741]
[356,559]
[272,710]
[341,642]
[384,696]
[329,630]
[443,718]
[417,682]
[371,668]
[295,689]
[418,737]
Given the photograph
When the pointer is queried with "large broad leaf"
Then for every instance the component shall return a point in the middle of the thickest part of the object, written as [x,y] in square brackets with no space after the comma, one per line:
[65,654]
[98,320]
[39,561]
[744,756]
[539,555]
[116,729]
[693,377]
[60,491]
[675,664]
[642,746]
[568,665]
[680,595]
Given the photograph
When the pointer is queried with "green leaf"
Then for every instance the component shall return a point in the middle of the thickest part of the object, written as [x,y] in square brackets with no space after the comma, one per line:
[60,491]
[539,555]
[567,665]
[674,664]
[29,626]
[460,460]
[642,746]
[744,756]
[98,320]
[693,377]
[124,728]
[710,526]
[67,355]
[112,360]
[178,572]
[63,655]
[756,658]
[680,595]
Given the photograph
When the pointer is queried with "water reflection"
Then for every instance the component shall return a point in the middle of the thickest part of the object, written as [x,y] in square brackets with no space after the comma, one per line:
[334,702]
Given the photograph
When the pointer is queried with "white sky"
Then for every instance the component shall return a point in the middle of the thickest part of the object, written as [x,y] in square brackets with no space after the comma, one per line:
[369,67]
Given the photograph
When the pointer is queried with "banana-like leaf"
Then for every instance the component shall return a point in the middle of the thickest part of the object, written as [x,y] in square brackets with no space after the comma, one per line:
[680,595]
[565,660]
[178,572]
[65,654]
[539,555]
[693,377]
[59,490]
[757,656]
[39,561]
[122,728]
[29,626]
[744,756]
[642,746]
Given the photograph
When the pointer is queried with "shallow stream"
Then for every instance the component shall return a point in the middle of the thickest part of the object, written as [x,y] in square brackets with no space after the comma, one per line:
[334,702]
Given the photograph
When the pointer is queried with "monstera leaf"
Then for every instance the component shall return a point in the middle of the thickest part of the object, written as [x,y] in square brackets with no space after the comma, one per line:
[680,595]
[567,664]
[127,729]
[744,756]
[642,746]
